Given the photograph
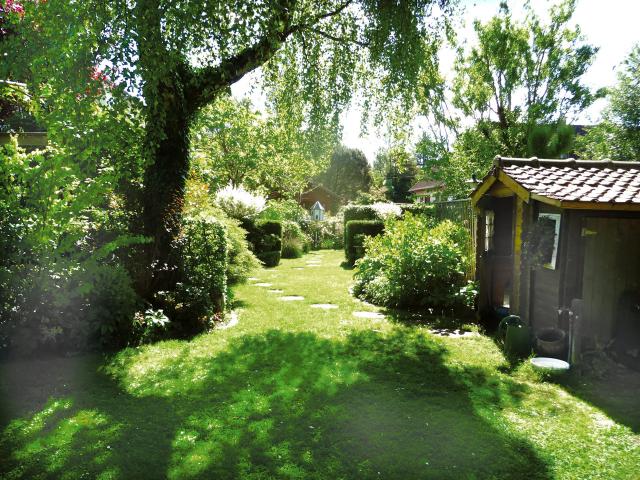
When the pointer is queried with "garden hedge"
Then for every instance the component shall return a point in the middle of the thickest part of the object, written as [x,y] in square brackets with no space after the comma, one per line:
[355,232]
[265,240]
[202,296]
[422,209]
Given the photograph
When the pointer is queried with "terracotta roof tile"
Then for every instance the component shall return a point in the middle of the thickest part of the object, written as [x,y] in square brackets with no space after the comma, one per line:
[571,180]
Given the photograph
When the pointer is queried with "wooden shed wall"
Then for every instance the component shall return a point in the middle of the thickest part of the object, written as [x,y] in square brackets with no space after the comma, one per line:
[545,283]
[611,268]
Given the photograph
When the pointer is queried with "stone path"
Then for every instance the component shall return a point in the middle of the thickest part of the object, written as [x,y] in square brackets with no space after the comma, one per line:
[291,298]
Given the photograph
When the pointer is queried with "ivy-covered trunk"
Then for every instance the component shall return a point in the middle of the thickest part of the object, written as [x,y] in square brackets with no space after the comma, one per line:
[167,144]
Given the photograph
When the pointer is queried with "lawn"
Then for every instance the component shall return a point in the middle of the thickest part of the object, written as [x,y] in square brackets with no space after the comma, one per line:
[292,391]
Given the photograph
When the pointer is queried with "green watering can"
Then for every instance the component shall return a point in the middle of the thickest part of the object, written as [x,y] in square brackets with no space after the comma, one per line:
[516,336]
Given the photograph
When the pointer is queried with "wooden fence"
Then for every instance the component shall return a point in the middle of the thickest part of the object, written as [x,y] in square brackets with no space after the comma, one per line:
[461,212]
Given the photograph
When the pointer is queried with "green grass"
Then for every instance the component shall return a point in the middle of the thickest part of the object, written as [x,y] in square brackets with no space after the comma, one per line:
[295,392]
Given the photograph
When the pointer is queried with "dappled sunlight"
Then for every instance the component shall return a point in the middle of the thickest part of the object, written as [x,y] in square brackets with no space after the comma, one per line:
[293,392]
[63,443]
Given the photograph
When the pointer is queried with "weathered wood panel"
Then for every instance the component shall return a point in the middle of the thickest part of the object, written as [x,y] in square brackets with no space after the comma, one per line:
[545,298]
[611,267]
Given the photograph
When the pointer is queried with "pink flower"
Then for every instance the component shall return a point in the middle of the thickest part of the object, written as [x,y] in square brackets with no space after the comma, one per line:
[14,7]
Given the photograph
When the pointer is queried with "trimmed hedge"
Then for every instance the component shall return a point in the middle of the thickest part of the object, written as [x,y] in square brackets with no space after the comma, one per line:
[355,232]
[359,212]
[421,209]
[265,240]
[202,295]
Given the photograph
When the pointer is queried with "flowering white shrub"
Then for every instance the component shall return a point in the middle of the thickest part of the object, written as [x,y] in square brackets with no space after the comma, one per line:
[239,203]
[386,210]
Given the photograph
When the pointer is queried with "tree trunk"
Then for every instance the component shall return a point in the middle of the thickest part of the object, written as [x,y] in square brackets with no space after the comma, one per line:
[167,143]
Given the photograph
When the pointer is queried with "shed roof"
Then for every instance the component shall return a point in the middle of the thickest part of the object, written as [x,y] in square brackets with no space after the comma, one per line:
[568,183]
[317,206]
[426,185]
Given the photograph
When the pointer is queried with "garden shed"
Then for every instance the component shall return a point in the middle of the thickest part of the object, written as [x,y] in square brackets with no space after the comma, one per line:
[558,243]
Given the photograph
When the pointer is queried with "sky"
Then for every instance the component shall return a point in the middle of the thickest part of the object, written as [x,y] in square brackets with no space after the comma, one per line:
[611,25]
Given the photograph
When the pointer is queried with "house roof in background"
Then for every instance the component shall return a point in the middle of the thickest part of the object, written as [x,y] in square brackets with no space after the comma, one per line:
[569,183]
[318,206]
[426,185]
[313,187]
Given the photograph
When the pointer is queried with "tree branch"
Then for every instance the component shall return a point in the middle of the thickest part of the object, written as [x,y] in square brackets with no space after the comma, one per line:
[208,82]
[336,38]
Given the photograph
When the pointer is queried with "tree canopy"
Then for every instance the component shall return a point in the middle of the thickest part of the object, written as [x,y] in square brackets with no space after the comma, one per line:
[617,137]
[152,65]
[512,93]
[348,173]
[232,143]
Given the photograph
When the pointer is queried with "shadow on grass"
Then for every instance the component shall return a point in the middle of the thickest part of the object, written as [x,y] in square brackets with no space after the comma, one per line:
[615,393]
[275,405]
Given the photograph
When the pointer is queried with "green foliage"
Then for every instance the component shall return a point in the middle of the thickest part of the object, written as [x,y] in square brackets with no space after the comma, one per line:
[617,137]
[547,141]
[241,261]
[416,209]
[348,173]
[150,326]
[63,238]
[327,234]
[201,298]
[287,209]
[397,170]
[294,241]
[233,144]
[265,240]
[416,263]
[515,86]
[355,233]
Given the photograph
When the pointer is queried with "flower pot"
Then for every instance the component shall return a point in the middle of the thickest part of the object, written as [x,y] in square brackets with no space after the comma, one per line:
[551,342]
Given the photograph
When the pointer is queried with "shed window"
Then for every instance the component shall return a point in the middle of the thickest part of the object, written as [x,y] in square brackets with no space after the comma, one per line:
[550,222]
[489,230]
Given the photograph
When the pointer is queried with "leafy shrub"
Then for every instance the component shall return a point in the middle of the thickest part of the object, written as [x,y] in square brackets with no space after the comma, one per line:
[418,209]
[281,210]
[294,242]
[239,203]
[416,263]
[327,233]
[241,260]
[265,240]
[150,326]
[61,283]
[355,234]
[201,298]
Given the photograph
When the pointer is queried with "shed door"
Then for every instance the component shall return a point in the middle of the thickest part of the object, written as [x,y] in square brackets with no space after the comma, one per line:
[611,269]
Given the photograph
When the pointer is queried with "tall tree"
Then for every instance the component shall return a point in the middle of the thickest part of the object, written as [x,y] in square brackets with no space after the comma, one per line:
[232,143]
[399,172]
[180,56]
[348,173]
[517,85]
[617,137]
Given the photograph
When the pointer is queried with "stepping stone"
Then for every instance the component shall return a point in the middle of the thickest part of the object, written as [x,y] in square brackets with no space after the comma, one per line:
[291,298]
[313,265]
[233,321]
[375,315]
[298,268]
[263,284]
[253,279]
[324,306]
[275,291]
